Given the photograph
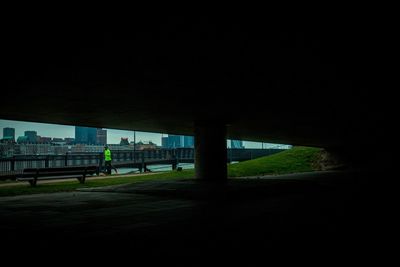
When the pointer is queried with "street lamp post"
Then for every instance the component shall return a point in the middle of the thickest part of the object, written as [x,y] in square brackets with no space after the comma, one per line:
[134,146]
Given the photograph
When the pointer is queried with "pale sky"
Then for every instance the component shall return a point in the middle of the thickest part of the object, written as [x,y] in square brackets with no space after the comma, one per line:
[113,136]
[62,131]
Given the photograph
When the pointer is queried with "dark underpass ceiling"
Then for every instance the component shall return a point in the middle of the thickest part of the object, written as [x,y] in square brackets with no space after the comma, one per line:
[308,87]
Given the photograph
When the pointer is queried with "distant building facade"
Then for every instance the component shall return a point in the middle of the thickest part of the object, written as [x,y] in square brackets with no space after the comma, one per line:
[85,135]
[146,146]
[237,144]
[177,141]
[31,135]
[22,139]
[124,141]
[44,140]
[69,140]
[164,142]
[101,136]
[188,141]
[9,132]
[7,139]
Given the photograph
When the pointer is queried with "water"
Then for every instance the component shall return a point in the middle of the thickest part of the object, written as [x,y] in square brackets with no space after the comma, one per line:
[156,168]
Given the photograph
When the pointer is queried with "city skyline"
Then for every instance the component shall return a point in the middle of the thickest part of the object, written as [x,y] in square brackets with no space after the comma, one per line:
[68,131]
[113,135]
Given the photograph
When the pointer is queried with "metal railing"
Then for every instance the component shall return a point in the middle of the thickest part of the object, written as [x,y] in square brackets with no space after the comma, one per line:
[12,166]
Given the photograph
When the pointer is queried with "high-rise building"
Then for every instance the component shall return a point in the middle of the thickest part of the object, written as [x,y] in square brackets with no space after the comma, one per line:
[164,142]
[81,136]
[9,132]
[188,141]
[92,136]
[101,137]
[175,141]
[32,136]
[85,135]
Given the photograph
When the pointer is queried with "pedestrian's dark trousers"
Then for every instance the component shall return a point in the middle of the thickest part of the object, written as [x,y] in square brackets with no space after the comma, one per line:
[108,166]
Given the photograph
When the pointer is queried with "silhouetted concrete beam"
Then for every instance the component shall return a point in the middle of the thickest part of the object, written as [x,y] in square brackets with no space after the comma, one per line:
[210,151]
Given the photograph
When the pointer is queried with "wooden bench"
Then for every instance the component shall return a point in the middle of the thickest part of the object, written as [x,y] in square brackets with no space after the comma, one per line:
[32,175]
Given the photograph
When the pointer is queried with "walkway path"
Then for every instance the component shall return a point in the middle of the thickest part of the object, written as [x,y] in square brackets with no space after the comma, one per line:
[13,183]
[332,214]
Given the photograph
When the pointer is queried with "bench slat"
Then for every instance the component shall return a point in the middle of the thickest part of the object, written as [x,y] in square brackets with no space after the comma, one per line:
[32,175]
[53,174]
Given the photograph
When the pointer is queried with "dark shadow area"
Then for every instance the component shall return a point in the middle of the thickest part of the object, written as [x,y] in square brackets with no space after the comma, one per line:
[334,214]
[315,86]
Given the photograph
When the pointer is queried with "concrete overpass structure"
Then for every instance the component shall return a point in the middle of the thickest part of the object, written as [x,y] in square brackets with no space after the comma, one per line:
[314,88]
[178,76]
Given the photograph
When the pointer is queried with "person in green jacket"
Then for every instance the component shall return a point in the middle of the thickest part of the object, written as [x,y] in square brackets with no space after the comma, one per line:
[107,160]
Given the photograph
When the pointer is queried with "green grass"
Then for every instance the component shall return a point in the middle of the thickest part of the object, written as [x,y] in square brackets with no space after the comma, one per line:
[298,159]
[24,188]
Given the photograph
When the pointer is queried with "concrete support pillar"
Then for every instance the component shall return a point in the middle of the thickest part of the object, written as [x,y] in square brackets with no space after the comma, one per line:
[210,151]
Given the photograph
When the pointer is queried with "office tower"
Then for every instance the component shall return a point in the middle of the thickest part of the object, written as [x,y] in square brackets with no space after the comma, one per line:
[31,135]
[9,132]
[101,136]
[85,135]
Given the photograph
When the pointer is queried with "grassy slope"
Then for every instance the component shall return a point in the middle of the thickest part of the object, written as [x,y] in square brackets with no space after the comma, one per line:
[298,159]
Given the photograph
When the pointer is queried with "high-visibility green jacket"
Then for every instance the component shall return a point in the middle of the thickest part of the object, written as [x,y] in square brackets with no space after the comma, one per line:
[107,155]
